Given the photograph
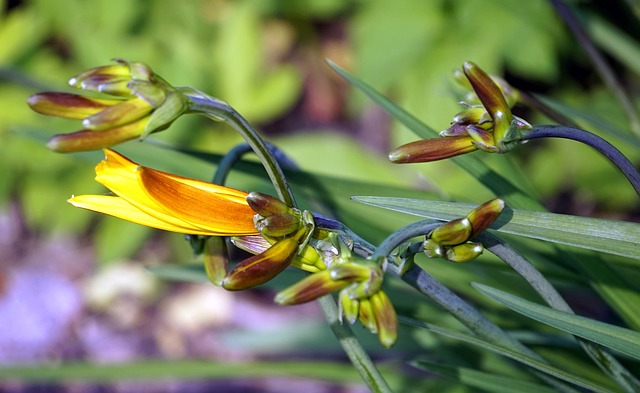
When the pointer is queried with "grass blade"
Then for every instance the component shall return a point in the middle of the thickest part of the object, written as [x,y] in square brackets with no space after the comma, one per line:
[620,339]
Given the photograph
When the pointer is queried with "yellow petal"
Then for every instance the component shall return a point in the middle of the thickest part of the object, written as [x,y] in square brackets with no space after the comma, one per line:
[205,209]
[178,201]
[118,207]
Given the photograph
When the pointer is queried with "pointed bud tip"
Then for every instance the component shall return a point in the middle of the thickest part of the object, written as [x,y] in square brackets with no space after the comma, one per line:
[398,156]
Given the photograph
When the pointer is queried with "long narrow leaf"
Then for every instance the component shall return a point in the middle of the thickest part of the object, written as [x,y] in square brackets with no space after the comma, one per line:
[608,236]
[515,355]
[483,380]
[180,370]
[620,339]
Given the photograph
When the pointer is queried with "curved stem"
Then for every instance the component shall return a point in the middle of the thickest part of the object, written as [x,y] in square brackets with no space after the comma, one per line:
[403,234]
[220,110]
[543,287]
[608,150]
[447,299]
[350,344]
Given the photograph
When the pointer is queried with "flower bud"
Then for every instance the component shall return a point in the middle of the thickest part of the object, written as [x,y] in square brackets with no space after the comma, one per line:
[367,316]
[464,252]
[452,232]
[349,307]
[266,205]
[277,225]
[141,103]
[386,319]
[310,288]
[433,249]
[258,269]
[484,215]
[432,149]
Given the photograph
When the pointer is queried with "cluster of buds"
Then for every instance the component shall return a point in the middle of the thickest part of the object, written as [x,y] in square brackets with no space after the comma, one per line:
[360,298]
[285,234]
[489,126]
[451,240]
[135,103]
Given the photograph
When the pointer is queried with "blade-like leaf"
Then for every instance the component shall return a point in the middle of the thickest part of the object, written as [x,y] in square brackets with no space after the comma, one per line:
[483,380]
[515,355]
[179,370]
[608,236]
[623,340]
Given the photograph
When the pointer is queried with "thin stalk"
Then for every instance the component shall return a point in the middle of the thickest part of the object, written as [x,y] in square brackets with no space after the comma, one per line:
[442,295]
[359,358]
[608,150]
[599,62]
[543,287]
[220,110]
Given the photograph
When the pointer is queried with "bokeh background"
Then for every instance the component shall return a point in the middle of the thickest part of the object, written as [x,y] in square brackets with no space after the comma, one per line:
[75,287]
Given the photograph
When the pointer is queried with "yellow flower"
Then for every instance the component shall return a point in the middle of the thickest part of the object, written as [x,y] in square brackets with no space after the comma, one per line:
[161,200]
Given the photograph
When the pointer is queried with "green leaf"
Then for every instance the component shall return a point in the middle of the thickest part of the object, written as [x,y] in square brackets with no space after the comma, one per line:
[499,185]
[608,236]
[588,116]
[190,369]
[512,354]
[623,340]
[483,380]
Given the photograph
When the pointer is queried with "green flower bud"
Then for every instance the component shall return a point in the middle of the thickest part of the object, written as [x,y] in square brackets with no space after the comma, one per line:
[310,288]
[386,319]
[277,225]
[464,252]
[349,307]
[452,232]
[433,249]
[491,97]
[367,316]
[484,215]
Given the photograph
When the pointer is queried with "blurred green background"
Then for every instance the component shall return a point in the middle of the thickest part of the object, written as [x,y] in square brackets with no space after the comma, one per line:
[267,59]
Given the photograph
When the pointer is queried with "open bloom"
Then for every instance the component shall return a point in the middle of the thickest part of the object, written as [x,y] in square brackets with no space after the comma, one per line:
[489,127]
[165,201]
[136,102]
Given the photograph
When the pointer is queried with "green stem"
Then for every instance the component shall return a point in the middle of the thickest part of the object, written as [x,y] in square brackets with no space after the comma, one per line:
[359,358]
[599,62]
[608,150]
[447,299]
[220,110]
[543,287]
